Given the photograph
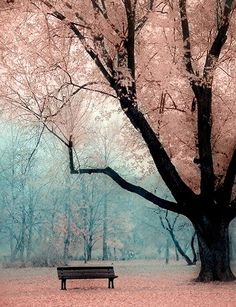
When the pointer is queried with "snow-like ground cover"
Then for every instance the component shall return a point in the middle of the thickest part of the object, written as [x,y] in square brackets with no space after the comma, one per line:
[140,283]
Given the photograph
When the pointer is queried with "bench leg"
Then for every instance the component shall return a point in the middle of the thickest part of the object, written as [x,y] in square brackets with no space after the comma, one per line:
[63,284]
[111,283]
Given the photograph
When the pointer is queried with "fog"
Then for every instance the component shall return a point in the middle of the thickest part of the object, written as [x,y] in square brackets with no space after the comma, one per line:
[50,217]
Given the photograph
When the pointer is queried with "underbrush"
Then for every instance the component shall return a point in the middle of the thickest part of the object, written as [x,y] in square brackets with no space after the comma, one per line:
[47,257]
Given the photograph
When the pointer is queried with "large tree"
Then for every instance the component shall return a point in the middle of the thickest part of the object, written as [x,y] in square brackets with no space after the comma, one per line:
[160,59]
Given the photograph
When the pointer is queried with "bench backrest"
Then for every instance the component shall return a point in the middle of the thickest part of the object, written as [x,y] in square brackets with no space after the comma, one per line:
[85,272]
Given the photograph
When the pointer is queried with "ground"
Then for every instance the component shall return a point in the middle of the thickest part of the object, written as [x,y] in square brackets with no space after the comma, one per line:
[140,283]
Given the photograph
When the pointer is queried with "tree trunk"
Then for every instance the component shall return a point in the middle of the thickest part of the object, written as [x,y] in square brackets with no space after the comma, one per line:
[85,250]
[11,242]
[213,241]
[89,252]
[23,236]
[104,237]
[167,252]
[176,254]
[30,233]
[67,235]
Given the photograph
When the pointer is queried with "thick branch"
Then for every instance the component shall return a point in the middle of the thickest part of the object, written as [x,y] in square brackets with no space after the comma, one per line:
[186,37]
[229,178]
[124,184]
[203,94]
[165,204]
[130,13]
[204,124]
[181,192]
[92,53]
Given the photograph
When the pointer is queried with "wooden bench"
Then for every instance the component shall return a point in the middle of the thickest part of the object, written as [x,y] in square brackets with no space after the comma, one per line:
[86,272]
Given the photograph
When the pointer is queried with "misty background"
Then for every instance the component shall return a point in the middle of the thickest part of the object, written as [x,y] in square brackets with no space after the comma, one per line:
[50,217]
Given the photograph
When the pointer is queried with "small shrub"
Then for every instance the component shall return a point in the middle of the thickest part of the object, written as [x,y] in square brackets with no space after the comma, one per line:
[46,257]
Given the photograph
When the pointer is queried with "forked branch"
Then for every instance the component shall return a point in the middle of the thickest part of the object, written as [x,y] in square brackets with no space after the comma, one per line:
[165,204]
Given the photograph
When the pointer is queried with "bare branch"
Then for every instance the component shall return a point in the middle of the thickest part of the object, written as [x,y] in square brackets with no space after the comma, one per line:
[133,188]
[91,52]
[102,10]
[35,148]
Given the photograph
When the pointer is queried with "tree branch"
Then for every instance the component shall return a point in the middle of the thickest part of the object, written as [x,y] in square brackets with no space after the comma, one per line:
[186,38]
[130,13]
[165,204]
[202,88]
[141,22]
[220,39]
[123,183]
[229,178]
[34,150]
[102,10]
[74,28]
[181,192]
[203,94]
[93,54]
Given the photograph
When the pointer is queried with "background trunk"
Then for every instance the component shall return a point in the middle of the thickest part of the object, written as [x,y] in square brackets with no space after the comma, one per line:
[167,251]
[89,252]
[179,248]
[104,237]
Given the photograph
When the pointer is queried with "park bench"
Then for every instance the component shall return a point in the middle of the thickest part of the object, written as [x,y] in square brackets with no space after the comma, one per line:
[86,272]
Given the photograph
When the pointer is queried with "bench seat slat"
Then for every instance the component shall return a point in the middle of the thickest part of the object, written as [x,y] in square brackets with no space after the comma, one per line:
[84,273]
[89,275]
[85,268]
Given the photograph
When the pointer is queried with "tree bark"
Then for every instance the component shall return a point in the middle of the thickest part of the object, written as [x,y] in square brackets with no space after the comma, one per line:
[213,240]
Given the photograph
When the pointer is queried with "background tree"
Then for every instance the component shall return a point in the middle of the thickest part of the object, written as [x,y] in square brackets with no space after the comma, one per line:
[169,226]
